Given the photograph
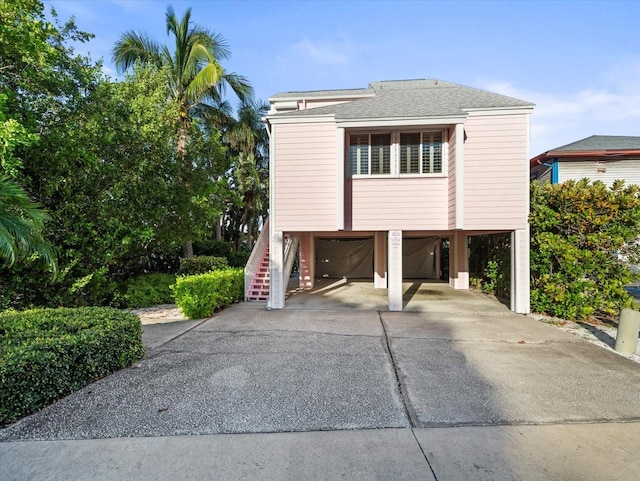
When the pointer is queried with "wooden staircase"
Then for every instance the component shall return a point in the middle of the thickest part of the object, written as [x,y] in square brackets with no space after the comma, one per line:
[256,272]
[259,287]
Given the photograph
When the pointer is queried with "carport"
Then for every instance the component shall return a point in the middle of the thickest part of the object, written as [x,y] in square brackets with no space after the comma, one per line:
[353,268]
[353,258]
[419,295]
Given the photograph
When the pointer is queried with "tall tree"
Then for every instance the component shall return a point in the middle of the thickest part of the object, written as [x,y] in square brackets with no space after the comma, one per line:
[248,139]
[195,77]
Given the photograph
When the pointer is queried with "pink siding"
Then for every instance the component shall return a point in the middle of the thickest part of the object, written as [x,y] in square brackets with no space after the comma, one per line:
[304,176]
[451,185]
[396,203]
[496,172]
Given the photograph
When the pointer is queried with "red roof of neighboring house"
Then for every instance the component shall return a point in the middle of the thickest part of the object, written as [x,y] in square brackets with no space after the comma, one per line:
[596,147]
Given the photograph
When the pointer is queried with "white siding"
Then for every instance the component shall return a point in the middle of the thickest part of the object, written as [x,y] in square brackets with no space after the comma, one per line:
[545,177]
[605,171]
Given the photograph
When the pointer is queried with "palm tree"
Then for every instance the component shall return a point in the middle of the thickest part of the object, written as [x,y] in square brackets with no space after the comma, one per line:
[248,138]
[249,182]
[196,79]
[248,134]
[21,223]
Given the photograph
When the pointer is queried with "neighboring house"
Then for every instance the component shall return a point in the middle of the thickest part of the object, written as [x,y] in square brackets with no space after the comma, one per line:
[599,157]
[365,183]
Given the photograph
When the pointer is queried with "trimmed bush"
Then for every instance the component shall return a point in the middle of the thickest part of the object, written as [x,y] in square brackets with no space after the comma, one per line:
[148,290]
[190,266]
[239,258]
[48,353]
[199,296]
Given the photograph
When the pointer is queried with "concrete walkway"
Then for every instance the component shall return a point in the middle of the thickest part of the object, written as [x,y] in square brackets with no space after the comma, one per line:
[465,391]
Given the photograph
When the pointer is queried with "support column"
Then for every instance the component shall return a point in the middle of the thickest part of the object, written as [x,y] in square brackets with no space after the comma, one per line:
[395,270]
[307,260]
[277,285]
[459,261]
[520,275]
[379,260]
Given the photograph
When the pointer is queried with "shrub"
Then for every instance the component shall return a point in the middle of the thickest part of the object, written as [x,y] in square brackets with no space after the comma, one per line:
[48,353]
[212,247]
[190,266]
[148,290]
[577,229]
[239,258]
[490,264]
[200,295]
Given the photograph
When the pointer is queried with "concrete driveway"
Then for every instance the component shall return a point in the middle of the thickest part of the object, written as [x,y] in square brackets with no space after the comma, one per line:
[454,393]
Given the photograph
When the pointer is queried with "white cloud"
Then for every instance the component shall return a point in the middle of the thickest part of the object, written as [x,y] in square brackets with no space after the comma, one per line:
[607,106]
[334,53]
[328,54]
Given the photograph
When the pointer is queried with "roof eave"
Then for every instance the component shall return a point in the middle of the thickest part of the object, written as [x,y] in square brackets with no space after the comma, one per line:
[601,154]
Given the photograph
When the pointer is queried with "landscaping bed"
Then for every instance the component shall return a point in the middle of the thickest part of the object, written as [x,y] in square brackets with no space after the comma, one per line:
[48,353]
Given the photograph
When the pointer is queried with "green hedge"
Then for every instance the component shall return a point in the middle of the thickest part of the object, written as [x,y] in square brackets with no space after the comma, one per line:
[190,266]
[48,353]
[578,228]
[199,296]
[239,258]
[147,290]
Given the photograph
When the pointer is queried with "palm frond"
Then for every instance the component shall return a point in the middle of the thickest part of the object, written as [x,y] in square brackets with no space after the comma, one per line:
[239,84]
[21,222]
[203,82]
[132,47]
[214,42]
[219,115]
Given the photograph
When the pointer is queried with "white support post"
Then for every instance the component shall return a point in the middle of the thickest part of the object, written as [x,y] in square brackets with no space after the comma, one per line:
[395,270]
[459,261]
[379,261]
[277,285]
[520,271]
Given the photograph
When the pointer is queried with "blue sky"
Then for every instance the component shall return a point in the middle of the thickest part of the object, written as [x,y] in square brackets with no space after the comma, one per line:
[579,61]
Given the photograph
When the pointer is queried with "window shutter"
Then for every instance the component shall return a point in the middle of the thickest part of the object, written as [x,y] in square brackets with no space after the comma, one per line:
[410,153]
[432,152]
[359,154]
[381,154]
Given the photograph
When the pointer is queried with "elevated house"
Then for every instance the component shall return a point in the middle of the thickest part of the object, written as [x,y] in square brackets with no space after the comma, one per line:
[599,157]
[367,183]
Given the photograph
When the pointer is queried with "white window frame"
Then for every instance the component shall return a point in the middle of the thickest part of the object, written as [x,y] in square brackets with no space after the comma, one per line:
[395,153]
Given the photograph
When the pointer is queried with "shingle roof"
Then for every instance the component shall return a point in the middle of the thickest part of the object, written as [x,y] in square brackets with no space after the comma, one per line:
[601,142]
[411,99]
[321,93]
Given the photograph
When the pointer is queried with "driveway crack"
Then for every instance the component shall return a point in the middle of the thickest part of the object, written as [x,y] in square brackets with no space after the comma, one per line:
[424,454]
[401,389]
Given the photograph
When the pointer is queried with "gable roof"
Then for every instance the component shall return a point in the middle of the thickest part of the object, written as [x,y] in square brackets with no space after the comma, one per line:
[595,147]
[602,142]
[405,99]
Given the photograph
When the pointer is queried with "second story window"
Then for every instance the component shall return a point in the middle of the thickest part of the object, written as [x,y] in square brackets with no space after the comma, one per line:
[370,154]
[421,153]
[396,153]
